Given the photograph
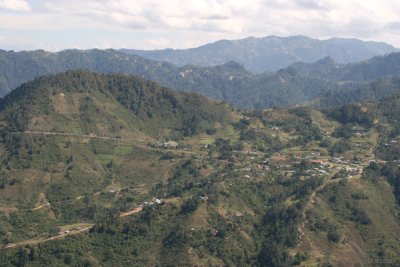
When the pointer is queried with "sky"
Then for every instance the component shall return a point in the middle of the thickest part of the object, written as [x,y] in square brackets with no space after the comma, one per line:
[156,24]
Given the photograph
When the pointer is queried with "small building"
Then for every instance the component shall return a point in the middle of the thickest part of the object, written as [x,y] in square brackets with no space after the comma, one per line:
[171,144]
[317,162]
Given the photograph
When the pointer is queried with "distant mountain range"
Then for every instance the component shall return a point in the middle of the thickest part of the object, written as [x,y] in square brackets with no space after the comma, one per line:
[324,81]
[270,53]
[217,82]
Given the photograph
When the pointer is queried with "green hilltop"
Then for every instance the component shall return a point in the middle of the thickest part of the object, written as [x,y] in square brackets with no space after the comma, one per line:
[83,102]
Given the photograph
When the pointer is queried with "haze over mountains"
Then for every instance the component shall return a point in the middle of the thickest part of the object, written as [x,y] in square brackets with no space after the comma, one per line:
[231,82]
[270,53]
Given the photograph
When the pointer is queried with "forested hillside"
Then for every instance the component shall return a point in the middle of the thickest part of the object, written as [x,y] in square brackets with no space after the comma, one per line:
[376,90]
[69,101]
[364,71]
[114,170]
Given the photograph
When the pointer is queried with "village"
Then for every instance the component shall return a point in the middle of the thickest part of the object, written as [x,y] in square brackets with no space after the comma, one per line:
[255,163]
[249,163]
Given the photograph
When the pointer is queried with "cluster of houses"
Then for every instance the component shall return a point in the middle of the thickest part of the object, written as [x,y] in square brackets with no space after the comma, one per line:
[330,165]
[320,168]
[320,165]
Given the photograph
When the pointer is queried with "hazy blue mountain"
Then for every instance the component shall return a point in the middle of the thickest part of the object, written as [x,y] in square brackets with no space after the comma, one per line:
[231,82]
[364,71]
[219,82]
[270,53]
[19,67]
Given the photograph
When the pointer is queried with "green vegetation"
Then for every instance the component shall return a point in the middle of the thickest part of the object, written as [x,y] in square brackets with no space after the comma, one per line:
[113,170]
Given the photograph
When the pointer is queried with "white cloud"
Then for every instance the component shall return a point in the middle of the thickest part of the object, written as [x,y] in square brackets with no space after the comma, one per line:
[15,5]
[211,15]
[159,42]
[206,20]
[23,43]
